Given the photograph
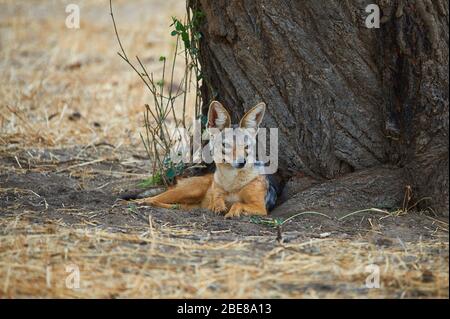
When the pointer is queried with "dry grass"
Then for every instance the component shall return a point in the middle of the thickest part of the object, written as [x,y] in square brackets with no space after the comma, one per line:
[49,72]
[152,263]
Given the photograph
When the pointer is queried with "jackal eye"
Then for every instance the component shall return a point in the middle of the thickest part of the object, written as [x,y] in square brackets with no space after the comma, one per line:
[246,149]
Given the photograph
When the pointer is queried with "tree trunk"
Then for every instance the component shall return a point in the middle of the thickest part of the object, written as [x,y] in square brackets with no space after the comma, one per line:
[344,97]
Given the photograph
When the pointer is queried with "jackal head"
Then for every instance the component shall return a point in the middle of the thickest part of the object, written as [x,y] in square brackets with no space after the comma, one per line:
[234,145]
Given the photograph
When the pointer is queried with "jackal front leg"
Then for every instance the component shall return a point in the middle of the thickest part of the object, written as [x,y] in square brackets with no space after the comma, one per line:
[252,200]
[239,209]
[217,202]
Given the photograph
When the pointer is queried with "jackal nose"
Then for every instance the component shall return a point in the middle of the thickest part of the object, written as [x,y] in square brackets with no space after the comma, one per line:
[240,163]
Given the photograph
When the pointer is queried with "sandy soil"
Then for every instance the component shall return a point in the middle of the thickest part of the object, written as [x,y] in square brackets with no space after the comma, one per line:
[61,208]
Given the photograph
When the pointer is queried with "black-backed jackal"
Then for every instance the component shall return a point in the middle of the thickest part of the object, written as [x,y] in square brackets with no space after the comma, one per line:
[237,186]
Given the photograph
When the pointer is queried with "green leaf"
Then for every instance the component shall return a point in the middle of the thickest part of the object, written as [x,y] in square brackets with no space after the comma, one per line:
[197,18]
[267,221]
[179,168]
[170,173]
[151,181]
[174,33]
[179,26]
[199,14]
[167,161]
[162,58]
[185,38]
[132,208]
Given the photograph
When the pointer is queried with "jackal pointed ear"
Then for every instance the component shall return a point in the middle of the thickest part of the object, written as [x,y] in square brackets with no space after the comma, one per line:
[218,116]
[253,118]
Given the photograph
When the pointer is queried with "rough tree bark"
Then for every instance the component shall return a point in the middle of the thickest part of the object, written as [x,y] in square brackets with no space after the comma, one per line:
[345,98]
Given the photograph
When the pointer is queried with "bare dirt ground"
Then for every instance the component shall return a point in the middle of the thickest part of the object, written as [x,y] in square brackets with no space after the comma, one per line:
[71,113]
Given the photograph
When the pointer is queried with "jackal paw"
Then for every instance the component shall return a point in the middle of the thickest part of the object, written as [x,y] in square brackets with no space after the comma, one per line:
[142,201]
[235,211]
[218,207]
